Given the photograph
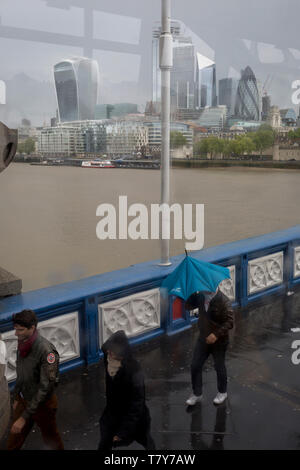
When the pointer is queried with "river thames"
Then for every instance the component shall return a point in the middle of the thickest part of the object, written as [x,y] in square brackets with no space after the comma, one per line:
[48,214]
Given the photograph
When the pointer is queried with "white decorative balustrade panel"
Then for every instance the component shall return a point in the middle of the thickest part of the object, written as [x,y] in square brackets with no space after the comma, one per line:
[135,314]
[228,285]
[265,272]
[61,331]
[297,261]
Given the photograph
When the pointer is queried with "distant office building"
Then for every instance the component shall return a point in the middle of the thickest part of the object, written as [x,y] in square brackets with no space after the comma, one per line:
[93,133]
[213,118]
[156,73]
[193,76]
[60,141]
[76,83]
[183,85]
[73,138]
[126,137]
[154,132]
[234,124]
[205,82]
[247,105]
[266,106]
[184,114]
[108,111]
[227,94]
[274,118]
[53,122]
[288,117]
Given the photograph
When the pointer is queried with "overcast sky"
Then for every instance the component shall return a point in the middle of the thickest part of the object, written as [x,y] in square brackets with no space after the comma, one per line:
[35,34]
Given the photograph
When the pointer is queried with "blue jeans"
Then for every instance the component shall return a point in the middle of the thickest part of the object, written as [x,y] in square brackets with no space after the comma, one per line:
[201,353]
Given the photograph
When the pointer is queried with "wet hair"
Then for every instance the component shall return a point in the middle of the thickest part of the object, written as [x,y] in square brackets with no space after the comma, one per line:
[26,318]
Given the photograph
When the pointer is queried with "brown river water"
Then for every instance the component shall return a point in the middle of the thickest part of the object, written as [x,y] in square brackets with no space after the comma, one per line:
[48,214]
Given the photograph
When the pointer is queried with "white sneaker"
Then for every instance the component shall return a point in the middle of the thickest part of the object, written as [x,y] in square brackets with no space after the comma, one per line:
[193,399]
[220,398]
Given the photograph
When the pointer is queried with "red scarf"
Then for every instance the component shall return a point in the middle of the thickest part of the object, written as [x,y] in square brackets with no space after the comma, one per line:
[24,347]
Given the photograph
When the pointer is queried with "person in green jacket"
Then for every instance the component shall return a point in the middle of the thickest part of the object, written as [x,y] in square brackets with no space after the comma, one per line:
[34,398]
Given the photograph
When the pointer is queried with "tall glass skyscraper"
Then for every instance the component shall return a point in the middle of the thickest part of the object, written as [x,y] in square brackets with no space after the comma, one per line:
[247,105]
[205,82]
[156,73]
[227,93]
[183,86]
[193,76]
[76,82]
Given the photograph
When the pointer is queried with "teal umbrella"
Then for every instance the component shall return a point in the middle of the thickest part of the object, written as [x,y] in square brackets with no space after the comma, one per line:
[193,275]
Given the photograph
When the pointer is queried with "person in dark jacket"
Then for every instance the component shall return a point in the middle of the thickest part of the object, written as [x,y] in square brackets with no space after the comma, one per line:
[34,393]
[126,417]
[214,322]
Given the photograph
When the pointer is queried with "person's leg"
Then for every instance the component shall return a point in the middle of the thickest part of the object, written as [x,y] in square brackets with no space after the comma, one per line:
[146,440]
[15,441]
[107,432]
[218,352]
[45,418]
[201,353]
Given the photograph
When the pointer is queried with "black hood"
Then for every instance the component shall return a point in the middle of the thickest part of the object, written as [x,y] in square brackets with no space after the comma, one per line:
[118,343]
[195,300]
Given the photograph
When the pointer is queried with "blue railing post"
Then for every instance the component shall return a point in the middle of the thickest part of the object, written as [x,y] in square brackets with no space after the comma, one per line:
[244,281]
[91,330]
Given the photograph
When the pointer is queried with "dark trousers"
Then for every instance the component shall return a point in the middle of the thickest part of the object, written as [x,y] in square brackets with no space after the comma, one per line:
[109,424]
[45,418]
[201,353]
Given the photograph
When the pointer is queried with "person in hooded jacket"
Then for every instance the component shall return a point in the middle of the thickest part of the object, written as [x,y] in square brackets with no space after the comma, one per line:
[126,417]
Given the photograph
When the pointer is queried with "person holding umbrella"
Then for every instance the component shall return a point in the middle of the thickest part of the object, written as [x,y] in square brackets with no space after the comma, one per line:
[197,283]
[214,322]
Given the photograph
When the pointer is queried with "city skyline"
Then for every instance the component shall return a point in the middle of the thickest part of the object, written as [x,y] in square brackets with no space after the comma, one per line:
[124,58]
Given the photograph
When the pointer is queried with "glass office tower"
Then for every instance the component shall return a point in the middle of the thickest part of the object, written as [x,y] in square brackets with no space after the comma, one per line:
[193,76]
[247,105]
[227,94]
[205,81]
[156,73]
[183,86]
[76,82]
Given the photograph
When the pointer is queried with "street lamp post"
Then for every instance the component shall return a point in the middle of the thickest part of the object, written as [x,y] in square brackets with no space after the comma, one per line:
[165,64]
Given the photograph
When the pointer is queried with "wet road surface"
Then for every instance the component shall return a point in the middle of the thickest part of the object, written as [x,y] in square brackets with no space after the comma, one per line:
[263,409]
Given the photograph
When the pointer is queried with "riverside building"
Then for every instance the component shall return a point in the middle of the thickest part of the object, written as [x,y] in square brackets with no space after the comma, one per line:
[126,137]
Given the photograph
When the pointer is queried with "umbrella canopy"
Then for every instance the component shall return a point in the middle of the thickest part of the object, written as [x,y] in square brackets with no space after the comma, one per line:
[193,275]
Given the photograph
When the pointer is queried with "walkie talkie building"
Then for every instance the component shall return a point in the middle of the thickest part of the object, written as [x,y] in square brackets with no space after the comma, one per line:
[76,82]
[247,104]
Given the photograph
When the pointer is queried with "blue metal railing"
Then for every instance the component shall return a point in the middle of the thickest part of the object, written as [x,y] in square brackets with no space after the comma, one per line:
[84,296]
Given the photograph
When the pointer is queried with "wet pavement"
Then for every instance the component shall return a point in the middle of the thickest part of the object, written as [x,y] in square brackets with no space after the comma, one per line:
[263,408]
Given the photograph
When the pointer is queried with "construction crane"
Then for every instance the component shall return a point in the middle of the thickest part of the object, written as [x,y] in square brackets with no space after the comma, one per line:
[267,84]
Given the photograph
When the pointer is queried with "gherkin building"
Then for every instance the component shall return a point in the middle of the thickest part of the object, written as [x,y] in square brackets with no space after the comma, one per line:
[247,98]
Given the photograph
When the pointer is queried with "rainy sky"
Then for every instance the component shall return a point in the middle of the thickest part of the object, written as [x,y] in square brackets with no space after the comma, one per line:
[35,34]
